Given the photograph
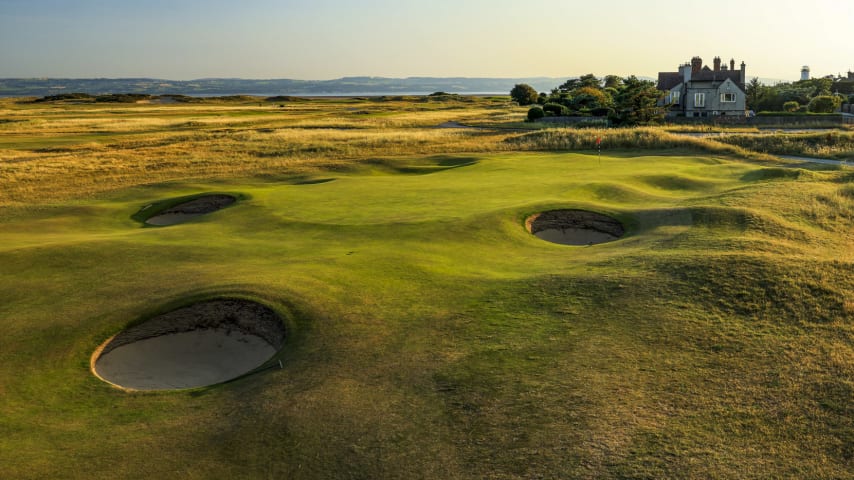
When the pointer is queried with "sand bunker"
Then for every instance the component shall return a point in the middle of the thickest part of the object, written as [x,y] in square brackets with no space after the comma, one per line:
[202,344]
[574,227]
[191,209]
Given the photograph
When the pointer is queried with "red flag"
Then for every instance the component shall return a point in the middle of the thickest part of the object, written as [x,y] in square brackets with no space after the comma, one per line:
[598,141]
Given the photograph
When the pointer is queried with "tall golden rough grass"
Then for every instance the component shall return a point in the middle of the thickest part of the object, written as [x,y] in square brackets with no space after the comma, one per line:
[705,129]
[834,144]
[646,138]
[53,152]
[52,174]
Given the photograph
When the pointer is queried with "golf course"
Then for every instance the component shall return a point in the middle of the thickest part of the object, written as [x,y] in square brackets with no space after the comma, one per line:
[414,324]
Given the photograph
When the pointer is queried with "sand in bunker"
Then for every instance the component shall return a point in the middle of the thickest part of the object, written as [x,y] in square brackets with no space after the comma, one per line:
[574,227]
[194,208]
[184,360]
[205,343]
[574,236]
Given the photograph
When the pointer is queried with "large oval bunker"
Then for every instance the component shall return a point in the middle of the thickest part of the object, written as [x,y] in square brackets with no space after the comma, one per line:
[201,344]
[574,227]
[190,209]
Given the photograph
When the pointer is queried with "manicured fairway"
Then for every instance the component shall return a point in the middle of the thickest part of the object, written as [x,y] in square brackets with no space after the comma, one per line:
[432,336]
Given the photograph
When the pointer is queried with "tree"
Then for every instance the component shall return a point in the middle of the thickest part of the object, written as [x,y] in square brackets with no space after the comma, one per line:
[637,103]
[821,86]
[824,104]
[523,94]
[755,92]
[588,80]
[590,98]
[566,86]
[613,81]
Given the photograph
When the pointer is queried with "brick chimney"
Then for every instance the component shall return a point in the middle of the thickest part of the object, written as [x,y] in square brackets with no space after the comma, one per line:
[717,64]
[732,64]
[696,65]
[685,71]
[743,68]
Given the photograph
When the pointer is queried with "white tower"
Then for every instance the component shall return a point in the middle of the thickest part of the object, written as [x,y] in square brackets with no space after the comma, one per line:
[805,72]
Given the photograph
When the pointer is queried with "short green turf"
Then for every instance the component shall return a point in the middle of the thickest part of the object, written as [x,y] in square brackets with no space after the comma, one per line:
[433,337]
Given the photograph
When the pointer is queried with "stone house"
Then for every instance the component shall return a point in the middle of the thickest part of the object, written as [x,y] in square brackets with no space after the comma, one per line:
[699,91]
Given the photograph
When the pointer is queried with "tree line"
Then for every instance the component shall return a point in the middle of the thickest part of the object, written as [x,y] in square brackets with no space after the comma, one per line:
[817,95]
[631,101]
[622,101]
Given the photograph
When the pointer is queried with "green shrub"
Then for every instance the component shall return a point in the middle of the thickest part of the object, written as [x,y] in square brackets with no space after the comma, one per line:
[535,114]
[556,109]
[824,104]
[791,106]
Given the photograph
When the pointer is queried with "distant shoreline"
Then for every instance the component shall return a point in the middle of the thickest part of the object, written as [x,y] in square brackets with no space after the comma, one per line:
[297,95]
[348,86]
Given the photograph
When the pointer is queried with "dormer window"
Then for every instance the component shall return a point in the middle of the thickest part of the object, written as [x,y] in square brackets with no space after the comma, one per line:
[727,98]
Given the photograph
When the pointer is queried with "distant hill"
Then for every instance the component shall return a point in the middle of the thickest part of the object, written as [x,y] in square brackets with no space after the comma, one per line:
[26,87]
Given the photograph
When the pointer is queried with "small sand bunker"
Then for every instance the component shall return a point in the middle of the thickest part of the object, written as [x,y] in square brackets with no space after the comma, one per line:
[202,344]
[190,209]
[574,227]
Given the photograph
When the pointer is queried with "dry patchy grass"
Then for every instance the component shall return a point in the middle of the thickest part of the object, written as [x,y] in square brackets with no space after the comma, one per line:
[55,152]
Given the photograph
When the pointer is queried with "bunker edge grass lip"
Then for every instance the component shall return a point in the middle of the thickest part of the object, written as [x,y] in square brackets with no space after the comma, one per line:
[574,227]
[201,344]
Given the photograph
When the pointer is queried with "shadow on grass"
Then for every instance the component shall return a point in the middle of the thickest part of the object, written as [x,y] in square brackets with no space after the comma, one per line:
[422,166]
[155,208]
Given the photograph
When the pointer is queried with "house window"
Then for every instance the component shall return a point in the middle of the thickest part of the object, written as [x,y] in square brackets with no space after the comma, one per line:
[727,98]
[674,97]
[699,99]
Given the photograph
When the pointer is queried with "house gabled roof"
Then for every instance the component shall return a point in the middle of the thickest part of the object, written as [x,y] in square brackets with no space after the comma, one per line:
[668,80]
[719,76]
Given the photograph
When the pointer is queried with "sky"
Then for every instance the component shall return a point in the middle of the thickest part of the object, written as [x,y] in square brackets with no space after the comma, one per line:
[327,39]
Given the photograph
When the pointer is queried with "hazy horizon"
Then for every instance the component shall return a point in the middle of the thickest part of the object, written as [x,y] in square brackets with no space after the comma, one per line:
[331,39]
